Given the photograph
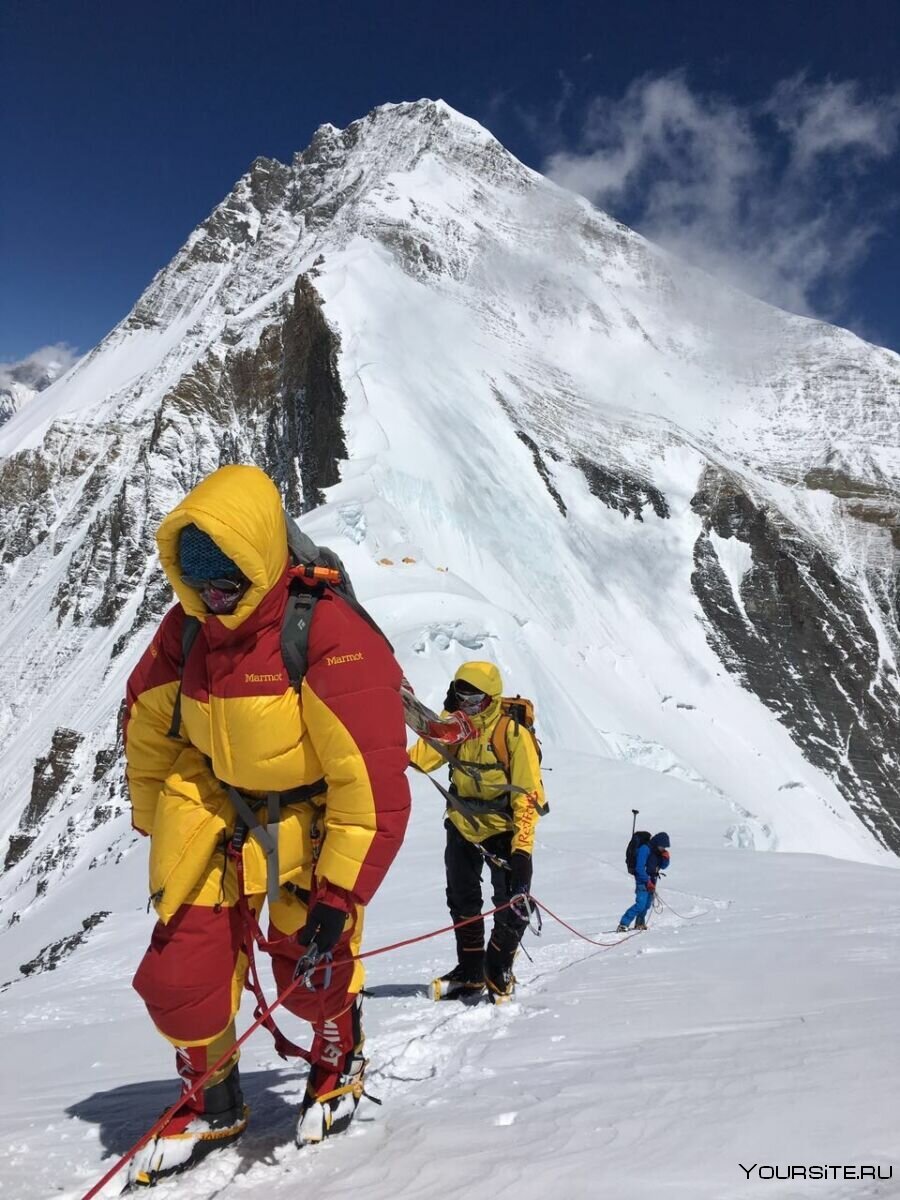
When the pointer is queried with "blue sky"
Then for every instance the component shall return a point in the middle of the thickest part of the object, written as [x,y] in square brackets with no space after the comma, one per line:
[759,138]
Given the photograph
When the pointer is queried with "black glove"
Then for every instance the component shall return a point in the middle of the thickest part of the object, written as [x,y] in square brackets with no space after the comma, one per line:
[324,926]
[451,704]
[520,872]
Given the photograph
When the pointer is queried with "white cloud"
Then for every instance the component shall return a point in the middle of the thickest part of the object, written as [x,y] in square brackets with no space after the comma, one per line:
[39,369]
[831,118]
[766,196]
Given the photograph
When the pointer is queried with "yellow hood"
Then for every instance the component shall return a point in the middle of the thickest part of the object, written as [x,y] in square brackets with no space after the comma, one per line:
[486,677]
[241,510]
[482,675]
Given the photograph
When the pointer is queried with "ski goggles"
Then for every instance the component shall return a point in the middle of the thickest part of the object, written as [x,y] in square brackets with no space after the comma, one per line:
[469,699]
[219,595]
[230,587]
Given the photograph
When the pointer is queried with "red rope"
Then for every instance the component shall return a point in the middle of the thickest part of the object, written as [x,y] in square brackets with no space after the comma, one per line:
[265,1015]
[583,936]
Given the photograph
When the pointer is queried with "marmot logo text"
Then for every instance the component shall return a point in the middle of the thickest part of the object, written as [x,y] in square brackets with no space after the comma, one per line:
[253,677]
[335,660]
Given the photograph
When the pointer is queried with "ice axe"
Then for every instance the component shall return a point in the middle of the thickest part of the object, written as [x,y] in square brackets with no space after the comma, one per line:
[634,820]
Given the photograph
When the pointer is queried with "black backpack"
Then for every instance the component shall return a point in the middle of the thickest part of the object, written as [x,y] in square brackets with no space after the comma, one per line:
[319,568]
[639,838]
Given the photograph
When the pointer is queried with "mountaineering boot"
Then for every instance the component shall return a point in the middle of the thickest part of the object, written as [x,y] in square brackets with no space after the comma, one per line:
[499,981]
[335,1084]
[331,1099]
[502,990]
[640,924]
[498,961]
[464,982]
[212,1119]
[621,928]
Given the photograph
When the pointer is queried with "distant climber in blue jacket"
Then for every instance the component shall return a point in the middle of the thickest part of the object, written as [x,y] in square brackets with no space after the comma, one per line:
[651,858]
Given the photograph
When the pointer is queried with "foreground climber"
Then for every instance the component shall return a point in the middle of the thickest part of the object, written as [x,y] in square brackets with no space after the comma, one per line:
[650,857]
[225,736]
[496,796]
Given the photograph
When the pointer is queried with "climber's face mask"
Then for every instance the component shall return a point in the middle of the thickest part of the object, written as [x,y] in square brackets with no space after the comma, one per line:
[469,699]
[220,596]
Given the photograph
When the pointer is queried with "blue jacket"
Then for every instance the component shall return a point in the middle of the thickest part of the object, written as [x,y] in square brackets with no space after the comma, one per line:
[651,858]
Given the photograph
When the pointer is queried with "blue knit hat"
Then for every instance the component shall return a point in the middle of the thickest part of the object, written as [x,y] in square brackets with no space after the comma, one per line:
[660,841]
[200,557]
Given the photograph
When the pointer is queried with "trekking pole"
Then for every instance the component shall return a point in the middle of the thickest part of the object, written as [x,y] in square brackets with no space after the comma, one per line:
[634,820]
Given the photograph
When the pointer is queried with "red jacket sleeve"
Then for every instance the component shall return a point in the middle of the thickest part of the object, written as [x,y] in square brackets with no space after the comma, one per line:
[354,715]
[149,704]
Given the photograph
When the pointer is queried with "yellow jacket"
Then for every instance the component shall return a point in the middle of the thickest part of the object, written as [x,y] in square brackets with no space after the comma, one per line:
[492,809]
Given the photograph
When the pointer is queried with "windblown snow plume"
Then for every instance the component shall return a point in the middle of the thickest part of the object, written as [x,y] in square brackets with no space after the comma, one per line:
[21,381]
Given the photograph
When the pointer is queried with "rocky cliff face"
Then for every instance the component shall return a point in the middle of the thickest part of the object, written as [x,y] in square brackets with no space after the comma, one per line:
[410,326]
[803,638]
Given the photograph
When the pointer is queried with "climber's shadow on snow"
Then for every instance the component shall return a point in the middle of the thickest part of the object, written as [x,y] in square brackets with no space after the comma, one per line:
[124,1113]
[395,991]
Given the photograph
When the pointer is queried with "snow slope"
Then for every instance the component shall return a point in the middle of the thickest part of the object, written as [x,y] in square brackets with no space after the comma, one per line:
[754,1027]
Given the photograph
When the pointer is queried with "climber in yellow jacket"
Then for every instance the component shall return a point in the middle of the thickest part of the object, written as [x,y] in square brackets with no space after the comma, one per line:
[216,733]
[496,797]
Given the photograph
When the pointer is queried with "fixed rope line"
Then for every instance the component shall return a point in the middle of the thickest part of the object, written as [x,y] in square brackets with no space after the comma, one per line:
[263,1016]
[667,905]
[578,934]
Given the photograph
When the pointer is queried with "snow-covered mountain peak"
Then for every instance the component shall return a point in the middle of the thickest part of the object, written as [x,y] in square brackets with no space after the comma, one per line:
[420,124]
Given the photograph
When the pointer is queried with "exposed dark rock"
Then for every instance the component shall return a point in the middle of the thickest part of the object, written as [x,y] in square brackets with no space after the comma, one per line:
[268,181]
[876,503]
[414,256]
[279,405]
[542,469]
[805,645]
[155,602]
[51,773]
[34,483]
[18,846]
[49,958]
[110,562]
[626,493]
[840,484]
[60,854]
[308,425]
[25,480]
[104,760]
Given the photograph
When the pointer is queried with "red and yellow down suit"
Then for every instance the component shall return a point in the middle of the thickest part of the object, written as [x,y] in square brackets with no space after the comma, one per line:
[243,725]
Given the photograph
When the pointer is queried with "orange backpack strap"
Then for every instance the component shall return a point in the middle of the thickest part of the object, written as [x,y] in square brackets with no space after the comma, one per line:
[499,744]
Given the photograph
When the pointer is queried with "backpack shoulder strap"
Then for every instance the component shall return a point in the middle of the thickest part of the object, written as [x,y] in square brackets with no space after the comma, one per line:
[499,744]
[189,631]
[295,626]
